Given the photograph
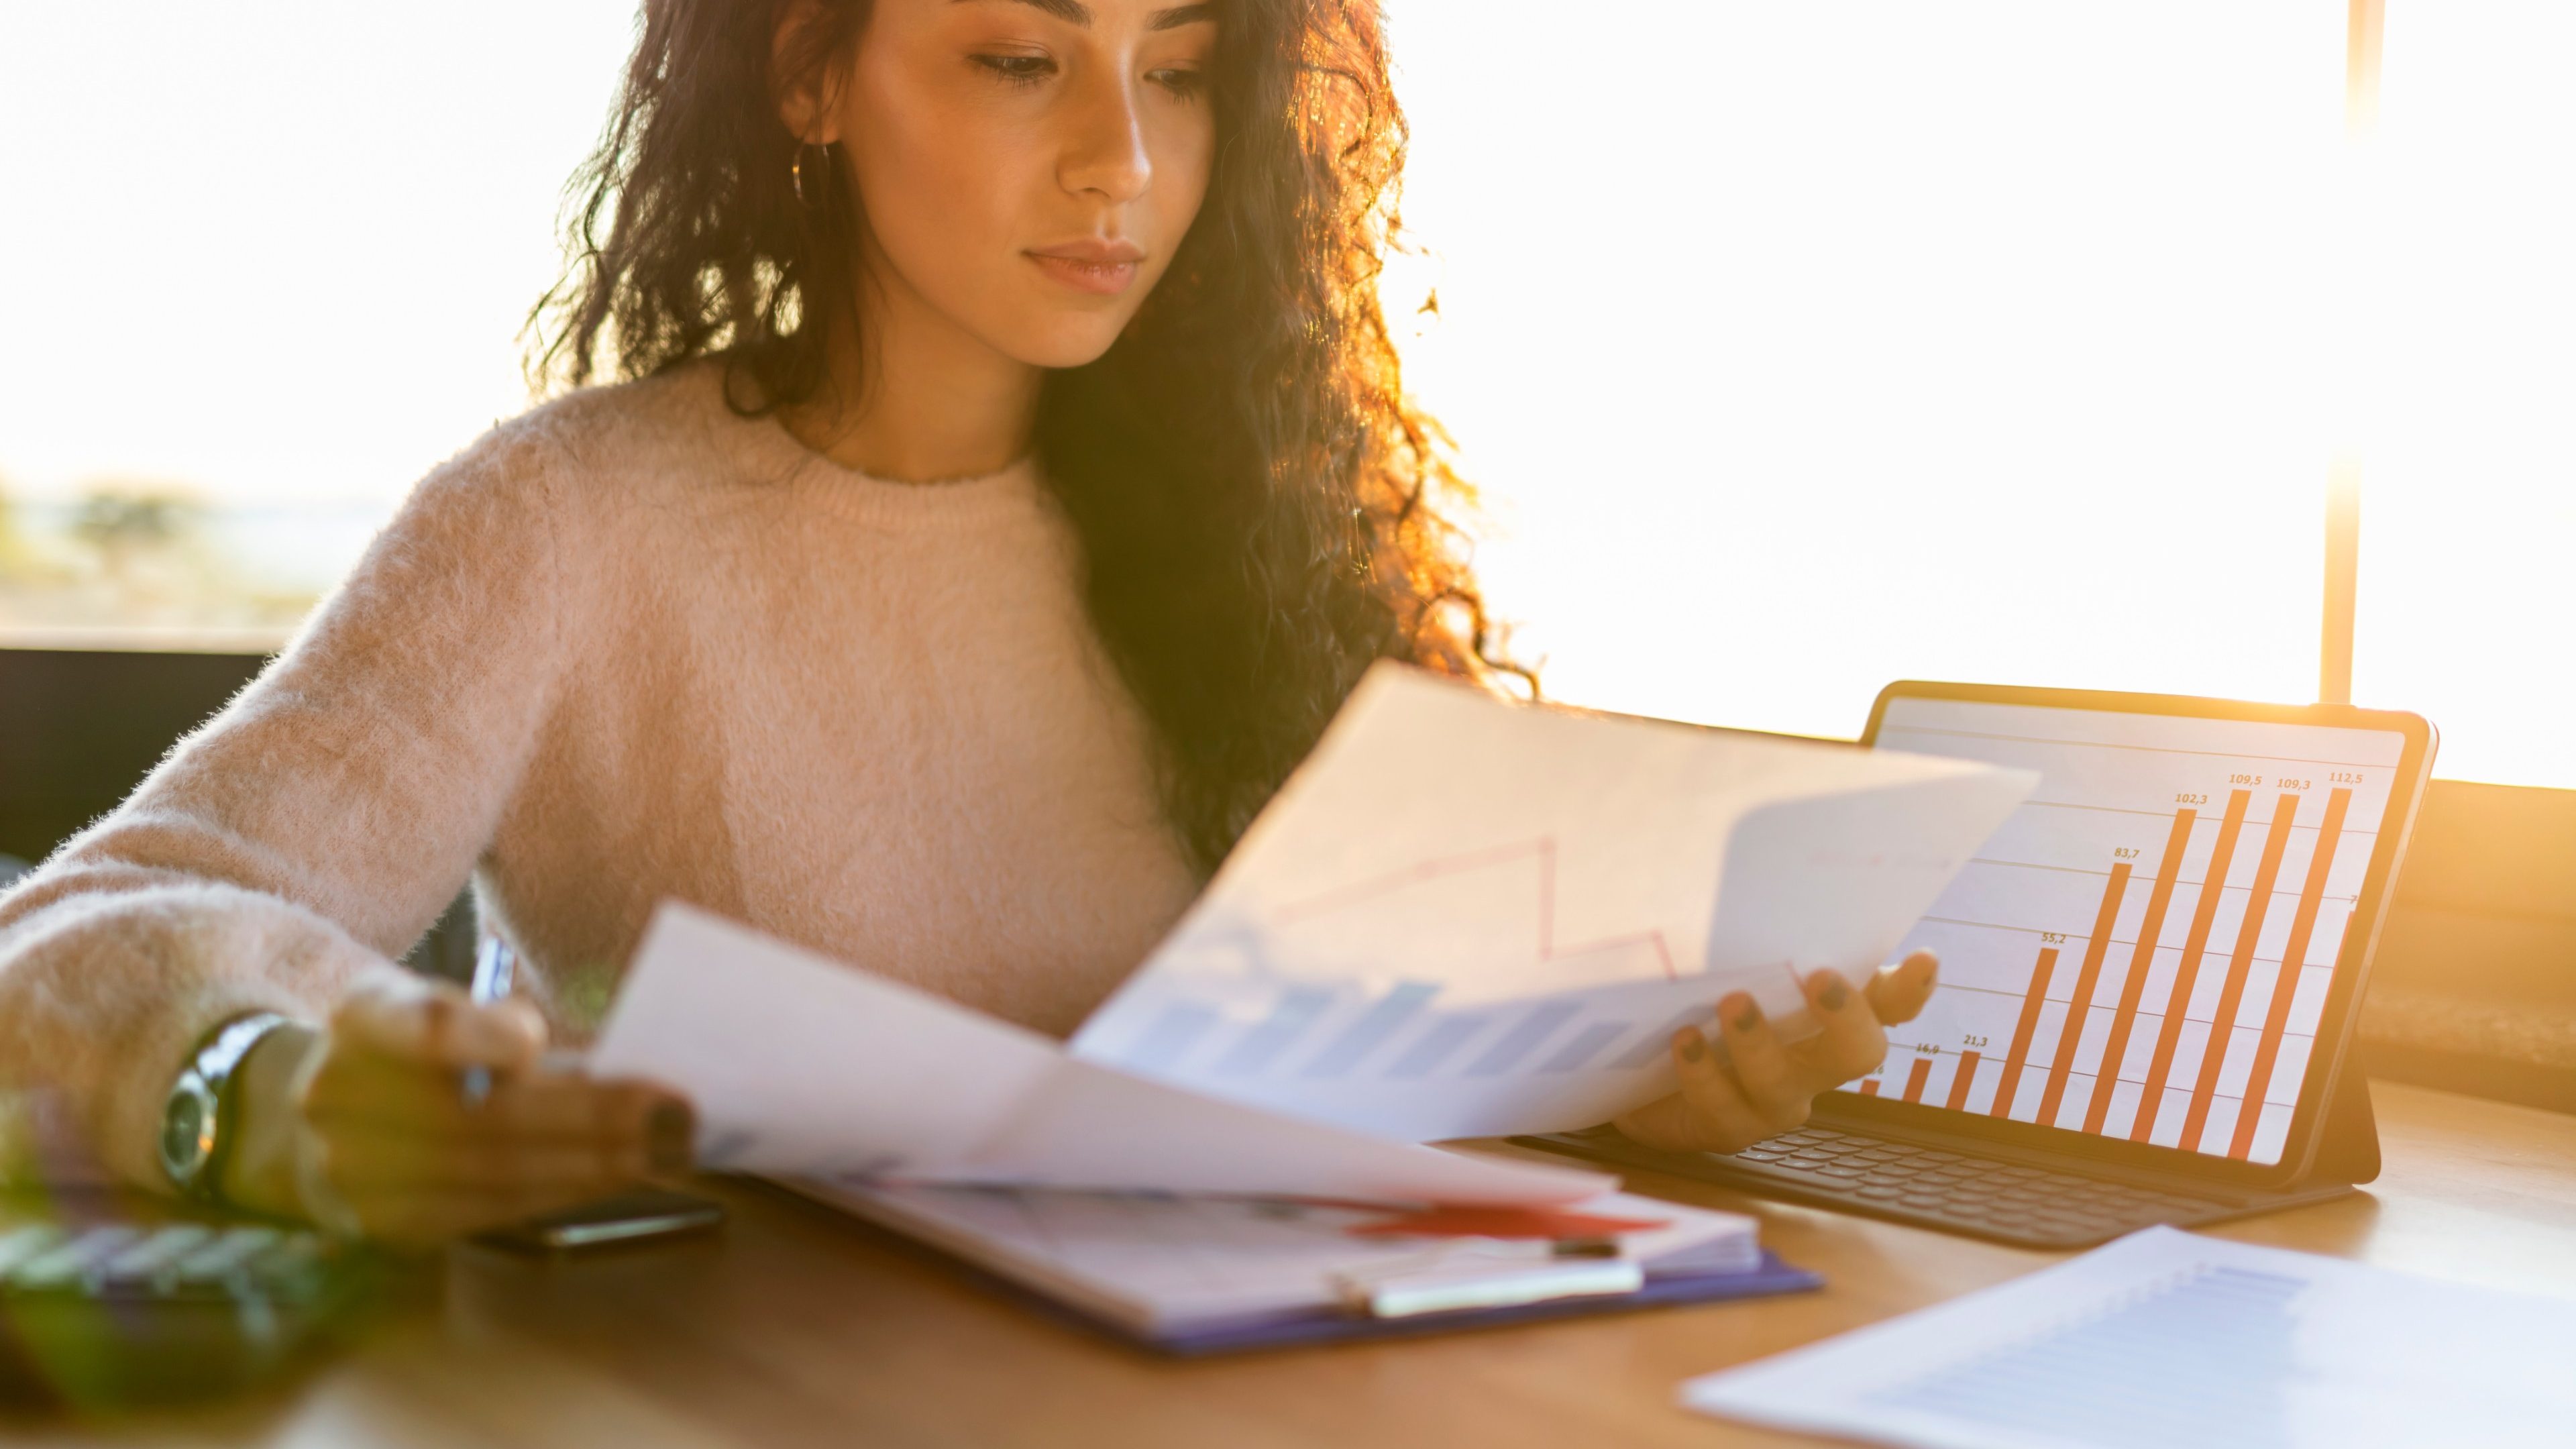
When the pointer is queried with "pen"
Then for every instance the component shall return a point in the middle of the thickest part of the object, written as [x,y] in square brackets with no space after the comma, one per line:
[493,966]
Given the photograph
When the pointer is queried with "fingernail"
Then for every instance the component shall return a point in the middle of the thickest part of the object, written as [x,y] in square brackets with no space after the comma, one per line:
[1693,1045]
[1833,994]
[669,1135]
[1747,1015]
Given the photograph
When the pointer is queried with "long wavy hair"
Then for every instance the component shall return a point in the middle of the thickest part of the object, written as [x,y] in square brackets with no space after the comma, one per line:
[1262,512]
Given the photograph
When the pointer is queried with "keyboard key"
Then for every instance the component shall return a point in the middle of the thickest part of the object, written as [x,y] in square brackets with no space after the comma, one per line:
[144,1261]
[229,1253]
[69,1262]
[19,1245]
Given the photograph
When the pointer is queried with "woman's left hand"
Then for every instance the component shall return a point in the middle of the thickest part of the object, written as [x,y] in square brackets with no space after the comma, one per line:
[1764,1087]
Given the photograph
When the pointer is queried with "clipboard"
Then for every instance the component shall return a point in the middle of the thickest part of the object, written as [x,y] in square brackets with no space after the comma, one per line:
[1197,1277]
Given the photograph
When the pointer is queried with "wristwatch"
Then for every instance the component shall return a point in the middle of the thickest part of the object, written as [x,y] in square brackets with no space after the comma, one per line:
[198,1120]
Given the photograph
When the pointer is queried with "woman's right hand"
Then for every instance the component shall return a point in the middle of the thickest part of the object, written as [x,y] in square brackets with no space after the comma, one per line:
[363,1125]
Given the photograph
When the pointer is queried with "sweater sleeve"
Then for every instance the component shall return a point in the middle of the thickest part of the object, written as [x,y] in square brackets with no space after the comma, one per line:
[311,830]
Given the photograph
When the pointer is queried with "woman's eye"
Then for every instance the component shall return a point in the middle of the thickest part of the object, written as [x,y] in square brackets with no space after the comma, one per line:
[1024,69]
[1183,81]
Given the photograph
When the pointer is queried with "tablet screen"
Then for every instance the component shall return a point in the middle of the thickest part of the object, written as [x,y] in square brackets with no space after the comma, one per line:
[2144,949]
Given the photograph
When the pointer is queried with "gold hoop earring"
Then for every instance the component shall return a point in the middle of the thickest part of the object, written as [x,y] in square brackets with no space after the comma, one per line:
[796,172]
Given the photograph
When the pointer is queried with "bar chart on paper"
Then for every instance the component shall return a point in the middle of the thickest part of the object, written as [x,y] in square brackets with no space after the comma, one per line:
[1404,1045]
[1400,948]
[2143,951]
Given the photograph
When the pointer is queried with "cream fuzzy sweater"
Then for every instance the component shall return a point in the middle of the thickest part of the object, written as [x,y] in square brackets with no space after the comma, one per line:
[625,646]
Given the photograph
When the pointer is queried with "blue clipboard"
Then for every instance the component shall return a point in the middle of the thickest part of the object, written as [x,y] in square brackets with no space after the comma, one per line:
[1318,1326]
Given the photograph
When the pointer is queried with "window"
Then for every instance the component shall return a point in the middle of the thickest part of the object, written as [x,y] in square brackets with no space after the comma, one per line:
[267,264]
[2466,308]
[1797,346]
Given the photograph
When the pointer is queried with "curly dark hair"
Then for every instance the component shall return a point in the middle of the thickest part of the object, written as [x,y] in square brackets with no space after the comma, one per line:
[1263,513]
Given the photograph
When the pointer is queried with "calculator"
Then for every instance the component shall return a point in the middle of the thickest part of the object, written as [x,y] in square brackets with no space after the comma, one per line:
[106,1311]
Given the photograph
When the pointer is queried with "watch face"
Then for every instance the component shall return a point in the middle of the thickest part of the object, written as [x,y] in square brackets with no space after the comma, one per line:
[187,1129]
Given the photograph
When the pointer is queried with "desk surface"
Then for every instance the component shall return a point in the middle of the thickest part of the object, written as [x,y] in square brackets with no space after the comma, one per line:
[799,1326]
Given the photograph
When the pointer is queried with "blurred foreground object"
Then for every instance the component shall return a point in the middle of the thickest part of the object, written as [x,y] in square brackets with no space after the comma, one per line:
[98,1309]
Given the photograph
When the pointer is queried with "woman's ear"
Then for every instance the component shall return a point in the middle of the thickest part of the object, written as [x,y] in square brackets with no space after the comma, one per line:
[804,79]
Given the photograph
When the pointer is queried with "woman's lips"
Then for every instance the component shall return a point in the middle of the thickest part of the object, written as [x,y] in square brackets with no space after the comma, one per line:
[1102,268]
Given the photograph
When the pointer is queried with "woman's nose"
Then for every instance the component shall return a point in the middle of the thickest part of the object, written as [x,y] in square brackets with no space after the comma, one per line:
[1106,152]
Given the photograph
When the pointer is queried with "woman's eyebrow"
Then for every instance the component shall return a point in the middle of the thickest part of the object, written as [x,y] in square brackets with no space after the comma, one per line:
[1076,13]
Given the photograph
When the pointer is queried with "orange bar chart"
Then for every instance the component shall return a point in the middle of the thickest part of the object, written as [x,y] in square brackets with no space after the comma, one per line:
[2124,1019]
[2285,813]
[1961,1080]
[1869,1088]
[2212,886]
[2031,1002]
[1915,1079]
[2285,985]
[2061,1064]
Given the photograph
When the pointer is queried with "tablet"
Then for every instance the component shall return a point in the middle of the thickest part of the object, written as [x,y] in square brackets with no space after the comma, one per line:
[2161,952]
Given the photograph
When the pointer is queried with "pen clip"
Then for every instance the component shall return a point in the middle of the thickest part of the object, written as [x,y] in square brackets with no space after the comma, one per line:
[494,969]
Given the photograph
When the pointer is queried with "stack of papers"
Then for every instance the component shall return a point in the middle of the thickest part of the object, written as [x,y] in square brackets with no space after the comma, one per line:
[2165,1338]
[1461,917]
[802,1067]
[1197,1273]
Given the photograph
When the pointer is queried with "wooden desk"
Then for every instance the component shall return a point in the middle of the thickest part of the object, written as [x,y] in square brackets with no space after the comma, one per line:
[800,1327]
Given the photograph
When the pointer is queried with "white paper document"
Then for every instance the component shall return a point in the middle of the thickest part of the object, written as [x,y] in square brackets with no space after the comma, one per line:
[1463,917]
[1161,1263]
[2164,1338]
[801,1065]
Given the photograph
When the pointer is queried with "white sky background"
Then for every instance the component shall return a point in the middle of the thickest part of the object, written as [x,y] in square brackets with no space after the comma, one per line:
[1821,344]
[1799,344]
[279,251]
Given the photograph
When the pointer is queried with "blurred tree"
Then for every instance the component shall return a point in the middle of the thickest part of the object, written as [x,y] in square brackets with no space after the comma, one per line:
[132,555]
[128,524]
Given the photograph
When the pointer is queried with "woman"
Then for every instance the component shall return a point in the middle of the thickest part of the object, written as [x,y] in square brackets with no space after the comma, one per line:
[1008,479]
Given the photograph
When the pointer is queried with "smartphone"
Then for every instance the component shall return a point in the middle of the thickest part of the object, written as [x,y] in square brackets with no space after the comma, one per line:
[643,1216]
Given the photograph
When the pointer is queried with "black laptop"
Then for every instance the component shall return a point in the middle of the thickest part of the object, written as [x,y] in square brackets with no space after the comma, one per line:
[2148,976]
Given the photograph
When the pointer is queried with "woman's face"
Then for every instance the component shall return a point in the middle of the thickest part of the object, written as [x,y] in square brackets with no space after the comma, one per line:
[1026,167]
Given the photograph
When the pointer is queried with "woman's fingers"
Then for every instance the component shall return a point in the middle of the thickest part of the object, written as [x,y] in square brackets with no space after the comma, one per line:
[1778,1092]
[1852,1043]
[536,1145]
[1709,1114]
[433,1023]
[1898,993]
[396,1096]
[359,1163]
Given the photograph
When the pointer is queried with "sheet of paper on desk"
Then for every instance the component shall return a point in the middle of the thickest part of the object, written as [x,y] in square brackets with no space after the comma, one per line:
[2165,1338]
[1463,917]
[801,1065]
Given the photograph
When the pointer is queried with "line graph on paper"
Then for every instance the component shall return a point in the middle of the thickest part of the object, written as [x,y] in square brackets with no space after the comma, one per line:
[2144,949]
[1540,854]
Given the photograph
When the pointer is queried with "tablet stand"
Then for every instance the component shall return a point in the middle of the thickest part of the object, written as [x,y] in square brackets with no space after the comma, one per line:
[2348,1140]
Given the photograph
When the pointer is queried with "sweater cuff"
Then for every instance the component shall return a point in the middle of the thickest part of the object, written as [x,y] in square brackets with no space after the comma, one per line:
[113,993]
[129,1126]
